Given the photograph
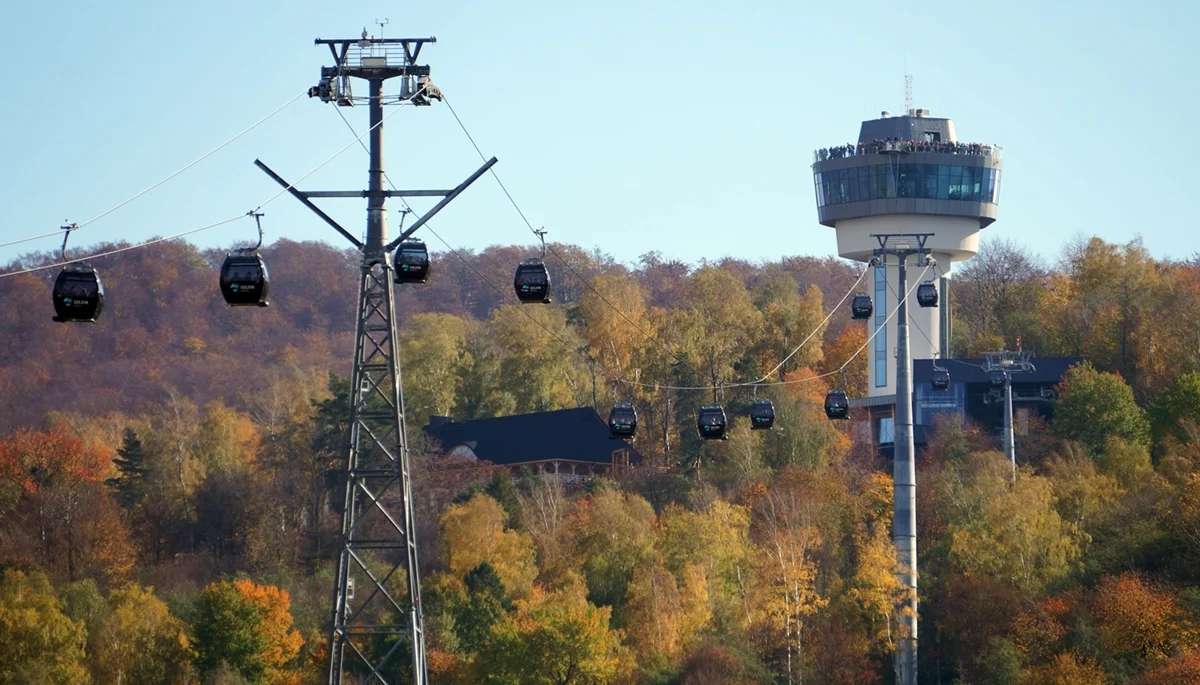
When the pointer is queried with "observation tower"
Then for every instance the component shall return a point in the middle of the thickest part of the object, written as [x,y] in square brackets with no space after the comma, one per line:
[907,174]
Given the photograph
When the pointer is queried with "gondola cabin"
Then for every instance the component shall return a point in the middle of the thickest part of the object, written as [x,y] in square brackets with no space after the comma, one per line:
[244,280]
[997,378]
[940,379]
[861,306]
[411,262]
[927,294]
[622,421]
[837,405]
[532,282]
[78,294]
[711,422]
[762,415]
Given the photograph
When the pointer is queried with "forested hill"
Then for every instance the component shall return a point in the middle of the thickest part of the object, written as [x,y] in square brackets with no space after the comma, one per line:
[169,478]
[165,328]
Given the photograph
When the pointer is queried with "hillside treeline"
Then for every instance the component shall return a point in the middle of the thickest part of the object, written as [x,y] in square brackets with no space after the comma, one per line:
[167,513]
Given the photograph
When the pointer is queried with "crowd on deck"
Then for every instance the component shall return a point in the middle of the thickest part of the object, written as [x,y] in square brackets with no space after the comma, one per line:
[896,145]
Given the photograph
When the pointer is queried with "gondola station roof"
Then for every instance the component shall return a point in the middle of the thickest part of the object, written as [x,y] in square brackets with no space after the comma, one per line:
[566,435]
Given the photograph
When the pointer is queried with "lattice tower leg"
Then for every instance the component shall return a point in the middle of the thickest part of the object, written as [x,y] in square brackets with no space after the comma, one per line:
[371,618]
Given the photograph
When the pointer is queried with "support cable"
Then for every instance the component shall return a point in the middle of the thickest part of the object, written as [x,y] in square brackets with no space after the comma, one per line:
[208,226]
[617,379]
[820,326]
[508,296]
[674,355]
[124,249]
[187,166]
[25,240]
[194,162]
[838,370]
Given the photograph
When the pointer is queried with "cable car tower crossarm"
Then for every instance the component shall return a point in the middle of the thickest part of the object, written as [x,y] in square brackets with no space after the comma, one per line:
[372,623]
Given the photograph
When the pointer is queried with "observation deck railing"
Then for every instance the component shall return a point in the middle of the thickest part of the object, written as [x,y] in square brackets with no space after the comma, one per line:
[884,146]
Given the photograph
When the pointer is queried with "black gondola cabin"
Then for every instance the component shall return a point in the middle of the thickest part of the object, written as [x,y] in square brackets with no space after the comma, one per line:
[997,378]
[940,379]
[861,306]
[412,262]
[711,422]
[244,280]
[622,421]
[927,294]
[837,405]
[762,415]
[78,294]
[532,282]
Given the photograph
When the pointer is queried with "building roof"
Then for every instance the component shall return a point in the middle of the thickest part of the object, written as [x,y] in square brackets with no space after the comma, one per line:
[907,127]
[1047,370]
[567,434]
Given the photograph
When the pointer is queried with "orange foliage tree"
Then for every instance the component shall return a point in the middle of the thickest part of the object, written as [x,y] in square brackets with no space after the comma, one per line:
[248,627]
[1137,619]
[55,510]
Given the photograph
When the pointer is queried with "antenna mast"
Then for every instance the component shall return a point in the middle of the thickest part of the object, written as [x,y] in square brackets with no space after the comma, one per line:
[908,107]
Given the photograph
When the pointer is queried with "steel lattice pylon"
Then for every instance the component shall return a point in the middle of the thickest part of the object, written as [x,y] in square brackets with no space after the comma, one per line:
[377,521]
[375,613]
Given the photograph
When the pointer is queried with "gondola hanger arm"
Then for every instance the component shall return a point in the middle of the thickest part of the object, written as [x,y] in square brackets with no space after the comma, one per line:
[68,228]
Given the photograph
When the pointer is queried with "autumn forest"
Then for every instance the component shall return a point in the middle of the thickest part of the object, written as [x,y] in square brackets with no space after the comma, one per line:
[170,506]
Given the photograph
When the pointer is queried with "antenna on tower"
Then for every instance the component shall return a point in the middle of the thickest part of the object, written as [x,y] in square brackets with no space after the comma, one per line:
[381,25]
[908,108]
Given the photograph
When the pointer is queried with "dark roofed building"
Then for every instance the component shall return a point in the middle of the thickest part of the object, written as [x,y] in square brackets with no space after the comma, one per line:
[968,396]
[572,444]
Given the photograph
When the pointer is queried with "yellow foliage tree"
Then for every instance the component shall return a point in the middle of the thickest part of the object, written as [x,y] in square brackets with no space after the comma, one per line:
[38,643]
[1068,668]
[554,638]
[139,641]
[787,532]
[474,531]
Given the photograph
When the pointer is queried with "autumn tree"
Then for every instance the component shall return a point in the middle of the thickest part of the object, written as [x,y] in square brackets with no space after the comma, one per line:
[475,532]
[851,340]
[1005,530]
[787,321]
[1173,407]
[564,635]
[613,534]
[998,291]
[65,519]
[1138,622]
[1068,668]
[1095,406]
[617,329]
[1183,669]
[38,644]
[788,534]
[138,640]
[720,321]
[536,367]
[433,348]
[715,542]
[249,627]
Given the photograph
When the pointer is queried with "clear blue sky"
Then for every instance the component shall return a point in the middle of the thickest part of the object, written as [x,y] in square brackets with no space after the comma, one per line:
[682,127]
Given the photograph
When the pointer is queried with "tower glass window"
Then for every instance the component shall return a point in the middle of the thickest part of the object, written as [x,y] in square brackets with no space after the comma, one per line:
[925,181]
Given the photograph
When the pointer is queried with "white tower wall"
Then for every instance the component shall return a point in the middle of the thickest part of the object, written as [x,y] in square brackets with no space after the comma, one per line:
[955,239]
